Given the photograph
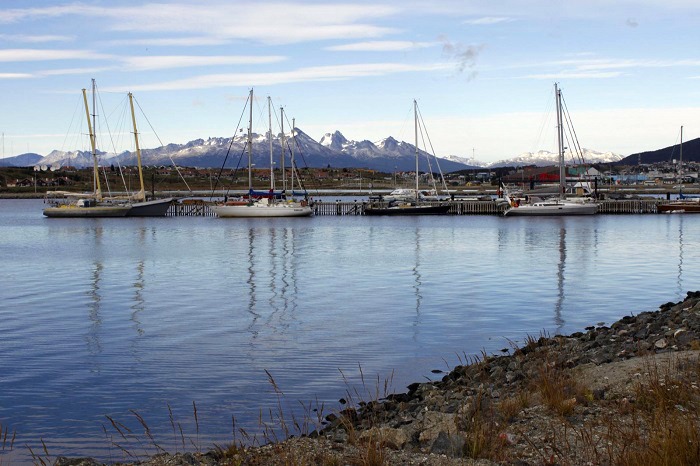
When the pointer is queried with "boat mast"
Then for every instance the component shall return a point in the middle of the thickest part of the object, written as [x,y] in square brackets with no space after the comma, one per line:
[560,142]
[250,146]
[291,154]
[141,196]
[680,166]
[96,173]
[415,130]
[269,137]
[284,150]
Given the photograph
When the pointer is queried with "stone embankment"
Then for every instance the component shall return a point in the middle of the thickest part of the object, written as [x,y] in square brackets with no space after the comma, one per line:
[592,397]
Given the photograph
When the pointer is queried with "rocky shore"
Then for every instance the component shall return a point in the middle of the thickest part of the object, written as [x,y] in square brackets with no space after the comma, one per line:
[620,394]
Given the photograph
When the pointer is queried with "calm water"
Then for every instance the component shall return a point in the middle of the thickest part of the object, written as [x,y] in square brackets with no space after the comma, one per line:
[102,316]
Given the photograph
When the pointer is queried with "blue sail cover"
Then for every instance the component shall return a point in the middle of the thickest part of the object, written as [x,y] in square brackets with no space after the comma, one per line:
[274,194]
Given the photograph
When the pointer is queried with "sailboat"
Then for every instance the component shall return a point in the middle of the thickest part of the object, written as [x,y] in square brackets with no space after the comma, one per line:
[66,204]
[266,205]
[558,205]
[683,204]
[142,207]
[413,205]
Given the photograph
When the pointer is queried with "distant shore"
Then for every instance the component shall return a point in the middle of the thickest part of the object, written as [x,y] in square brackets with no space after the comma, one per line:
[342,191]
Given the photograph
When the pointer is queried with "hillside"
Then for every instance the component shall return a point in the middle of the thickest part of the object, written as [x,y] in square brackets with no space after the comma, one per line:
[22,160]
[691,153]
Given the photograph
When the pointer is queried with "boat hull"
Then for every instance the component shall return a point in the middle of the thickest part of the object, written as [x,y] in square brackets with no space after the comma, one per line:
[679,207]
[409,210]
[86,212]
[155,208]
[552,209]
[258,211]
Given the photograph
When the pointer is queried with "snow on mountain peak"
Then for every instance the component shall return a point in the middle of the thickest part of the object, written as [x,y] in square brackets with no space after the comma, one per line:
[335,140]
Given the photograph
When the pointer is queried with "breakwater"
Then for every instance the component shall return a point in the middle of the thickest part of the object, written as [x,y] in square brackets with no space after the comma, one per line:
[199,208]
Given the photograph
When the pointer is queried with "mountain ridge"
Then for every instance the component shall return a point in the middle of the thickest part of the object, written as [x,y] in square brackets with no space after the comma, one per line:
[333,149]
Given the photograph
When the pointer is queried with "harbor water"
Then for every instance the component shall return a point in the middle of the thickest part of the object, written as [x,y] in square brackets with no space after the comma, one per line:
[206,324]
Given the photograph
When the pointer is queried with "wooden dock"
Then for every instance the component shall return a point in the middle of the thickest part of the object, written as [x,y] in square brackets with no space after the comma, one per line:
[200,208]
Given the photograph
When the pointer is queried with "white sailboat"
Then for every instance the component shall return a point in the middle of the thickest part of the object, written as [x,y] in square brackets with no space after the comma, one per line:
[411,201]
[267,205]
[558,205]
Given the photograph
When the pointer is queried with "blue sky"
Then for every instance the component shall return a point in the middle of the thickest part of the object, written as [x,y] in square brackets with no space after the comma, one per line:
[481,71]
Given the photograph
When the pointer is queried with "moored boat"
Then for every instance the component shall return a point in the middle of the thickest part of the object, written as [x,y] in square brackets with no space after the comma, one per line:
[684,204]
[264,205]
[407,208]
[558,205]
[408,201]
[67,205]
[83,208]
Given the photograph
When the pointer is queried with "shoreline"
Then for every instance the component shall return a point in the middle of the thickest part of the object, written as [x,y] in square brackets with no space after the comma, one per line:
[558,399]
[338,191]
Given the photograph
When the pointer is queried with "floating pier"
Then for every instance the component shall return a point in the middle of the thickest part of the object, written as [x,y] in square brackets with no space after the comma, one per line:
[200,208]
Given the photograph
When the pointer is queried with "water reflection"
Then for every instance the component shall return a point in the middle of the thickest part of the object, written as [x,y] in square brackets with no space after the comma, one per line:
[252,285]
[289,273]
[139,302]
[94,310]
[681,290]
[138,306]
[94,345]
[417,284]
[272,295]
[561,268]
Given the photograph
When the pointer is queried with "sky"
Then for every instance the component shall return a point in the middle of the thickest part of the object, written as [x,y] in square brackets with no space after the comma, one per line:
[481,71]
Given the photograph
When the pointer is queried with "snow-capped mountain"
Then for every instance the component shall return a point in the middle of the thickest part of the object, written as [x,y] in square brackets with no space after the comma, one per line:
[545,158]
[469,161]
[333,150]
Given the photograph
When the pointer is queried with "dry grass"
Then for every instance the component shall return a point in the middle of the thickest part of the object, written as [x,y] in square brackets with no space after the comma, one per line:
[656,425]
[513,405]
[7,441]
[666,430]
[480,425]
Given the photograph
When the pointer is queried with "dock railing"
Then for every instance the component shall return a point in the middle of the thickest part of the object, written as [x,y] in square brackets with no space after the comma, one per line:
[200,208]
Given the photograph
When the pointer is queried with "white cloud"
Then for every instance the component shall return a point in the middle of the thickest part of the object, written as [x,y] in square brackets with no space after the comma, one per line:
[35,39]
[70,71]
[318,73]
[21,55]
[16,76]
[168,42]
[617,64]
[185,61]
[488,20]
[575,75]
[272,23]
[381,46]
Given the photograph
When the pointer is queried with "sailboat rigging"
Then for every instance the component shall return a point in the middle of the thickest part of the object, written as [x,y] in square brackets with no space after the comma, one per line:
[257,204]
[66,204]
[412,201]
[143,207]
[684,204]
[558,205]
